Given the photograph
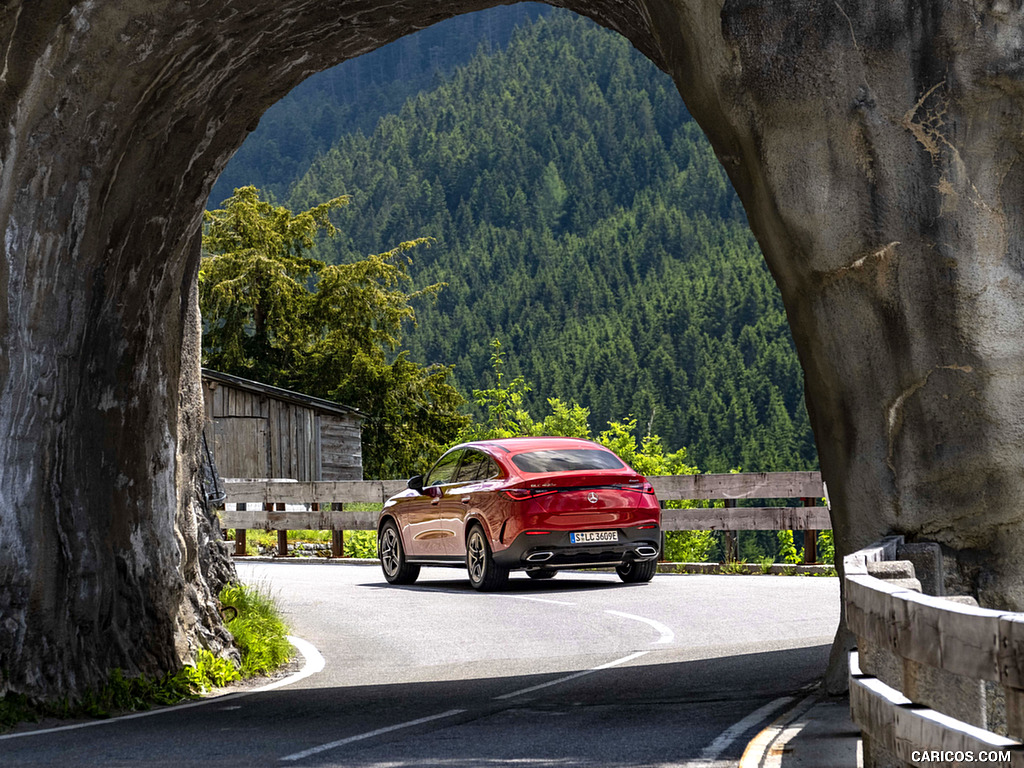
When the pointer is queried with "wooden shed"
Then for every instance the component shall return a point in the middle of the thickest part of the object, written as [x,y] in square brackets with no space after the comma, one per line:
[259,431]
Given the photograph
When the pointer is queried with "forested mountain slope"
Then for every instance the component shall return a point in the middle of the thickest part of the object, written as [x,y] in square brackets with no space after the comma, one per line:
[356,94]
[581,218]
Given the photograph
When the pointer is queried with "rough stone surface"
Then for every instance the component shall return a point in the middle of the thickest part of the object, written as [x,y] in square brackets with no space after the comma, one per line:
[891,570]
[926,557]
[875,146]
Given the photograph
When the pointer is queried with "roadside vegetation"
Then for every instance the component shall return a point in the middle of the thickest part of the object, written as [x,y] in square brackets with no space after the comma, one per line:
[556,196]
[259,633]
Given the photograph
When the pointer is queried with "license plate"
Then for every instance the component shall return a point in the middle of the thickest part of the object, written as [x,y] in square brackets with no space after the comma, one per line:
[593,537]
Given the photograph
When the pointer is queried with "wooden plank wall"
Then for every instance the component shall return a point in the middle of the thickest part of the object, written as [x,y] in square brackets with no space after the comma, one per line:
[341,448]
[241,447]
[240,430]
[259,436]
[294,444]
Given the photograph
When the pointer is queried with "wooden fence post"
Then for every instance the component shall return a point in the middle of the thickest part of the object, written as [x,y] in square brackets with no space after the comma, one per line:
[732,552]
[282,535]
[337,537]
[810,538]
[337,543]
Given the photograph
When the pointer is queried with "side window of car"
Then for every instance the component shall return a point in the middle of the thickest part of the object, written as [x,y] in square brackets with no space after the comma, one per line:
[476,466]
[444,471]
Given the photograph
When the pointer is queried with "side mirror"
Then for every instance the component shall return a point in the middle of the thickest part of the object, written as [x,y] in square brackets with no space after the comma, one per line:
[416,483]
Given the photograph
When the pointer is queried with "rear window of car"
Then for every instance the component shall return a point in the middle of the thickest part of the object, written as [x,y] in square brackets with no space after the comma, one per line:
[566,460]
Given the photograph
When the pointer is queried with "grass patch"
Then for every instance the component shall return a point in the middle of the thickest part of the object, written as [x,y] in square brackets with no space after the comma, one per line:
[260,635]
[259,631]
[734,567]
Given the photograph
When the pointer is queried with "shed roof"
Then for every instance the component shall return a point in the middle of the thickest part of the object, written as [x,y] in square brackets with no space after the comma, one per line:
[316,403]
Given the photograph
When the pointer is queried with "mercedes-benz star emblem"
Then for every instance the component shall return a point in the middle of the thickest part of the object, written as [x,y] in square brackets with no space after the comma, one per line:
[592,498]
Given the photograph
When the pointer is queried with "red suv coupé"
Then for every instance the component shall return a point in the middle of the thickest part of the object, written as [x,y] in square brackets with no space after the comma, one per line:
[533,503]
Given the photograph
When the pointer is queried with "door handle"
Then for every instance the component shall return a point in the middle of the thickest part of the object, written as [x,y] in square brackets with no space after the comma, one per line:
[466,499]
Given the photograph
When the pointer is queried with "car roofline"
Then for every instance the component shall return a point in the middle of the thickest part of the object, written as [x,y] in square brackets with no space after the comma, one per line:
[510,445]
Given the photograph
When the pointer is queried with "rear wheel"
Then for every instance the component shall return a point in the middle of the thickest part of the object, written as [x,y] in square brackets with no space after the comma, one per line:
[397,570]
[633,572]
[542,573]
[484,574]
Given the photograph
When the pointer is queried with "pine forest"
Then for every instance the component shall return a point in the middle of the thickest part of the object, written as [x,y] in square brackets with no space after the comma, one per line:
[573,212]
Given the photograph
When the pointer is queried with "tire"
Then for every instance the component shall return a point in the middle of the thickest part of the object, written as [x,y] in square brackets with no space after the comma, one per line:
[397,570]
[485,575]
[633,572]
[542,573]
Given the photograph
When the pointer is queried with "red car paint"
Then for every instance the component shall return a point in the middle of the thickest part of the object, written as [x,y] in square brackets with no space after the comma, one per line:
[527,496]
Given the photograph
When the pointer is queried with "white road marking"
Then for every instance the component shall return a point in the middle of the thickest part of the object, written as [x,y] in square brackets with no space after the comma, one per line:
[380,731]
[314,663]
[711,752]
[536,599]
[667,635]
[574,676]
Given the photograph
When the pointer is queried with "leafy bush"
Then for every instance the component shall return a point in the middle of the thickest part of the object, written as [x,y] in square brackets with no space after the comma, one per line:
[688,546]
[826,547]
[788,553]
[361,544]
[209,672]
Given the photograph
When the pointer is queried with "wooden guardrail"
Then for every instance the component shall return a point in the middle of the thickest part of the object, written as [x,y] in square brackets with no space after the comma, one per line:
[264,505]
[933,681]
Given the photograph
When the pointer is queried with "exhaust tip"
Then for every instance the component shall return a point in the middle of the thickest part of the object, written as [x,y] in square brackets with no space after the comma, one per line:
[646,551]
[539,557]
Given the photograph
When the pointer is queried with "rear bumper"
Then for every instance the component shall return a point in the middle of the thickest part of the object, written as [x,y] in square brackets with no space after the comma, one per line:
[554,550]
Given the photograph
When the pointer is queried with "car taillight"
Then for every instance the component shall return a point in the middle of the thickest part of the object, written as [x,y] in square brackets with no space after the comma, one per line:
[528,493]
[645,527]
[644,488]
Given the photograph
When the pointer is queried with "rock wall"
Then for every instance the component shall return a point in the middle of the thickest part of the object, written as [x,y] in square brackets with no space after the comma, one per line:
[874,145]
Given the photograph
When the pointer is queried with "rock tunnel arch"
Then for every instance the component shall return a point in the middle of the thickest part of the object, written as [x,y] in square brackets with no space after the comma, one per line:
[873,145]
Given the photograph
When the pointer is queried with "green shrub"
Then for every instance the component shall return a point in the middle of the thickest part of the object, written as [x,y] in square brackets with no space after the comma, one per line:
[788,553]
[259,631]
[826,547]
[361,544]
[210,672]
[688,546]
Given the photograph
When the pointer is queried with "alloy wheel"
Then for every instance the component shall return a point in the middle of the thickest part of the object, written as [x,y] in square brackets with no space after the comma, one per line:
[389,554]
[477,552]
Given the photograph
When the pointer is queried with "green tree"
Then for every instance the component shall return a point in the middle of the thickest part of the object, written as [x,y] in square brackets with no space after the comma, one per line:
[271,313]
[253,283]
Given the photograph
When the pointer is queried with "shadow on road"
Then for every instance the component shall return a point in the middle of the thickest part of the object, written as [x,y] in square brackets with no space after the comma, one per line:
[565,582]
[646,715]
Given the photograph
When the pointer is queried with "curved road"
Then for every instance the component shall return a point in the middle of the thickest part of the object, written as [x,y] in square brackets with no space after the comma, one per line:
[578,671]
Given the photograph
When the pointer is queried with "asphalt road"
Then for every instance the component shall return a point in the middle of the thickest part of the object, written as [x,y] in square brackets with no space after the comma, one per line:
[579,671]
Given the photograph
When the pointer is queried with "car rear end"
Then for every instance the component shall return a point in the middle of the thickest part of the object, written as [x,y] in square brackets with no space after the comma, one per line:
[605,514]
